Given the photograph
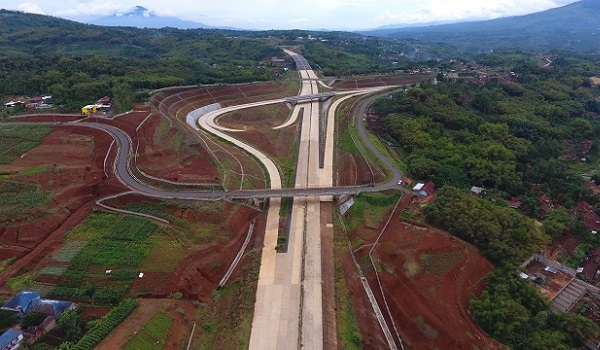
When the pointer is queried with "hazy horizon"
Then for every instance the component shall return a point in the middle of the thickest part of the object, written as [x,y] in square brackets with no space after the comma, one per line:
[278,14]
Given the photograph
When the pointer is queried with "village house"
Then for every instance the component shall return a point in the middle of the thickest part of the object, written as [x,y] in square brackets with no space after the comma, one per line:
[587,213]
[545,204]
[28,301]
[33,333]
[591,265]
[514,202]
[478,191]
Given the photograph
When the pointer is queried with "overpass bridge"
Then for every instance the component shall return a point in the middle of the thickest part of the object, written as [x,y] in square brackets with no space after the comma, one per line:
[301,62]
[310,98]
[309,192]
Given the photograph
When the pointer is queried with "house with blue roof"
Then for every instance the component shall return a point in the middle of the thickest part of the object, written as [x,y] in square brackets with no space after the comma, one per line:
[20,302]
[10,340]
[52,308]
[28,301]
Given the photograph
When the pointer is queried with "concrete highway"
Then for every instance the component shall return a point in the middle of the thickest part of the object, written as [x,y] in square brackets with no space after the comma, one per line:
[288,310]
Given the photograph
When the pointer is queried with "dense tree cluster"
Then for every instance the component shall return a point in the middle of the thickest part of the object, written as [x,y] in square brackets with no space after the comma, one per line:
[517,135]
[500,232]
[506,135]
[514,312]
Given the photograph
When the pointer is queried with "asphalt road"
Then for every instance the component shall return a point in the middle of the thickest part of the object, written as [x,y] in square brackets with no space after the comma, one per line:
[123,172]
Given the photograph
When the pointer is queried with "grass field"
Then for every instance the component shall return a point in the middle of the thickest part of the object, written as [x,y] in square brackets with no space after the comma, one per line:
[18,139]
[369,209]
[20,200]
[153,335]
[227,323]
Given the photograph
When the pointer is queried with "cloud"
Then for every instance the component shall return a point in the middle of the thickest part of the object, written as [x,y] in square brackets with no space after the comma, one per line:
[30,7]
[442,10]
[93,9]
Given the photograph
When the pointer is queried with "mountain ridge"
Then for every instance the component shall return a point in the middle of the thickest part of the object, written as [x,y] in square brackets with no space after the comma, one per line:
[575,26]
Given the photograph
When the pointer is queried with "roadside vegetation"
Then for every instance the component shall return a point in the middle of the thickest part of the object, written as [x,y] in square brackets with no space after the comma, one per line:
[227,323]
[348,333]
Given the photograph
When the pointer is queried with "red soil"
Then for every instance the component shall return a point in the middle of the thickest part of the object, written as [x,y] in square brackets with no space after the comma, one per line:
[427,277]
[563,246]
[175,165]
[49,118]
[353,170]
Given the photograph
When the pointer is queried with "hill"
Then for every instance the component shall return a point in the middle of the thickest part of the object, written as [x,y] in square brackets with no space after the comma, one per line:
[26,34]
[573,27]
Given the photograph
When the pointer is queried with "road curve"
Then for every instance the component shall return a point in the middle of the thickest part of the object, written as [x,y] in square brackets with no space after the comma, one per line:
[123,171]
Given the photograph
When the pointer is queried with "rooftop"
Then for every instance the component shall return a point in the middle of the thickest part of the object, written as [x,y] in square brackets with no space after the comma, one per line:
[21,301]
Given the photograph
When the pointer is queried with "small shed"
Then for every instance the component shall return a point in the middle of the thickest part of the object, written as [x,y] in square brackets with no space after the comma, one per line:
[478,191]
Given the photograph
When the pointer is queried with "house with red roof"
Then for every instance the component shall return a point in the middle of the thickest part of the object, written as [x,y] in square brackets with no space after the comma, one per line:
[587,212]
[591,265]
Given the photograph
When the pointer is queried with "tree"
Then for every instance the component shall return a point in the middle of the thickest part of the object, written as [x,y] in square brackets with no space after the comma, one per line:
[33,318]
[70,322]
[557,222]
[576,327]
[7,319]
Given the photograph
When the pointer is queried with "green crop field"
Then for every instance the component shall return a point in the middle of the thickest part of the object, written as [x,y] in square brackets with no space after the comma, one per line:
[153,335]
[18,139]
[117,243]
[20,199]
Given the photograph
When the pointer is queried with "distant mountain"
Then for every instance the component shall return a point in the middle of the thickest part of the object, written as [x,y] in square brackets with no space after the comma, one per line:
[575,27]
[141,17]
[392,28]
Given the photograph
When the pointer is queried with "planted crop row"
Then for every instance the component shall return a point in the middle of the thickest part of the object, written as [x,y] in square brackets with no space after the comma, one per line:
[105,325]
[27,132]
[68,251]
[111,253]
[19,139]
[114,227]
[118,243]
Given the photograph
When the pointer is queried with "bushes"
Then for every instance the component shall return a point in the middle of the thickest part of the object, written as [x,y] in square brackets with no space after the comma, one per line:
[102,327]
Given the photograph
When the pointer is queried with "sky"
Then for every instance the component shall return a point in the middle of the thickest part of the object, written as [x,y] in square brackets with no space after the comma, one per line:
[286,14]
